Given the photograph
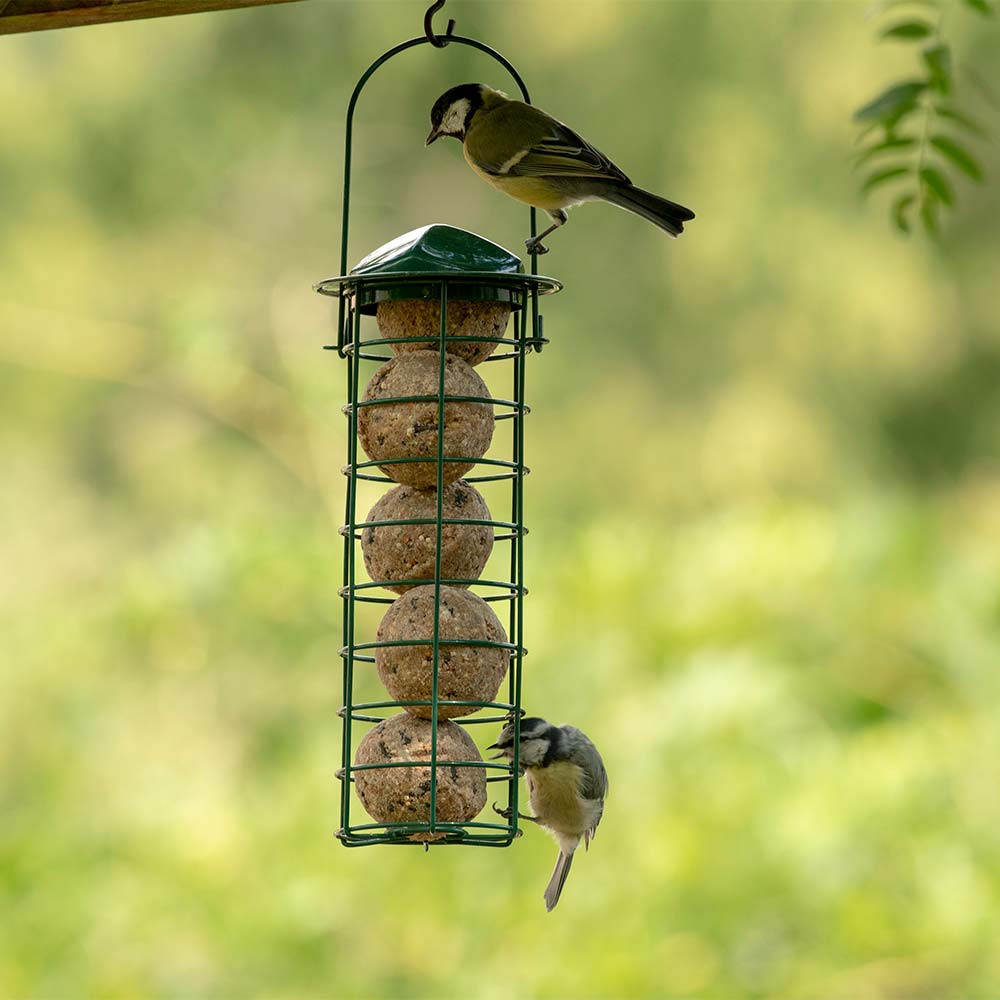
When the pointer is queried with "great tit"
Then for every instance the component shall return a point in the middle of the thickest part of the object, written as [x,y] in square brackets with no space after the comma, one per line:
[567,784]
[527,154]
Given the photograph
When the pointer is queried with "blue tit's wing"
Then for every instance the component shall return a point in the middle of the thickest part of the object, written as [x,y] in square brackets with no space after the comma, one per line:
[593,777]
[518,140]
[600,782]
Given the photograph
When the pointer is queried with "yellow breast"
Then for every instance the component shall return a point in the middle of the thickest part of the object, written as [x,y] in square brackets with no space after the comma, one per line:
[555,796]
[534,191]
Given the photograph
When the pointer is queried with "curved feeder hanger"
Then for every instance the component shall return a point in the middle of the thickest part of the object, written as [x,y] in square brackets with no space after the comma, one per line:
[466,267]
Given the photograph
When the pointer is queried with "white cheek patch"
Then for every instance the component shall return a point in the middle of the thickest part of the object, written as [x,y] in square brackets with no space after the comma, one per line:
[454,119]
[533,751]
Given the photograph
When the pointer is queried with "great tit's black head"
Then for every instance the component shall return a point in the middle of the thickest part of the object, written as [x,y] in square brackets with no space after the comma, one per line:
[537,736]
[454,109]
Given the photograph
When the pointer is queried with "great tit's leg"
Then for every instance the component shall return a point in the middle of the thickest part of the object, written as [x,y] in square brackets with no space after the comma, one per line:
[506,813]
[534,244]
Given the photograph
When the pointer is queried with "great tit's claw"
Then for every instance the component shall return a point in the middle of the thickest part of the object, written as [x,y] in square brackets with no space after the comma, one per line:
[534,246]
[506,813]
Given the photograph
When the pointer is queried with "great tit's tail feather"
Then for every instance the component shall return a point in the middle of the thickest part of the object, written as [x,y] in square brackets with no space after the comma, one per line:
[668,215]
[558,880]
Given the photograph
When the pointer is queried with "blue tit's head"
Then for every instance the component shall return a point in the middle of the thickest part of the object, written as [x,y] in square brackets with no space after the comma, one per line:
[454,109]
[537,739]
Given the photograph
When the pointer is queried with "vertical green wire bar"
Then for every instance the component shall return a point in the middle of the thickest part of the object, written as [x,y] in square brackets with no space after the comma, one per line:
[439,531]
[350,554]
[516,633]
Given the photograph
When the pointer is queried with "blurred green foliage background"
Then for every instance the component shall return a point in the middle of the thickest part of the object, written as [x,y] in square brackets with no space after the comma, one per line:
[764,557]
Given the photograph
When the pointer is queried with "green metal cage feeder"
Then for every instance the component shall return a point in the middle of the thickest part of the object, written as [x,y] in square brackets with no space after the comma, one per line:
[438,264]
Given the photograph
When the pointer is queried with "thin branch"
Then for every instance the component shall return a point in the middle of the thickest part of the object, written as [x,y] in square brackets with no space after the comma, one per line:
[18,16]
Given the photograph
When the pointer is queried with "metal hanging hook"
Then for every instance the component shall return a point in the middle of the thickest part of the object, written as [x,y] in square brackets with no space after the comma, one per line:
[435,40]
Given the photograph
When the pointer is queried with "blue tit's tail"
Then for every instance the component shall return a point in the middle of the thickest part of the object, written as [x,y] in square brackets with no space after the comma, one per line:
[559,873]
[668,215]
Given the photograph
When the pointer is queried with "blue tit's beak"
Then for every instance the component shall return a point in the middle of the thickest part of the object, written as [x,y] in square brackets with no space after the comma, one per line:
[435,134]
[496,756]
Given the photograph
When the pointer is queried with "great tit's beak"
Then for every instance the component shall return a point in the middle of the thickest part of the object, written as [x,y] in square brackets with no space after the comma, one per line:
[496,756]
[435,134]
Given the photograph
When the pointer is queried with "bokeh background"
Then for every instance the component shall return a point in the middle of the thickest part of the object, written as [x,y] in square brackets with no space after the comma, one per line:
[764,557]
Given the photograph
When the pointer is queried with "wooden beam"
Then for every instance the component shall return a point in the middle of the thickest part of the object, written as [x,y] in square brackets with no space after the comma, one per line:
[39,15]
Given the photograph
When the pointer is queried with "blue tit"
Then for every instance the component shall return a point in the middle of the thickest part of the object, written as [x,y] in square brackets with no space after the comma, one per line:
[527,154]
[567,784]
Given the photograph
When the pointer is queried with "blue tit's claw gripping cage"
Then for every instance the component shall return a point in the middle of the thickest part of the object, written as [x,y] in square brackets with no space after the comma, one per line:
[437,263]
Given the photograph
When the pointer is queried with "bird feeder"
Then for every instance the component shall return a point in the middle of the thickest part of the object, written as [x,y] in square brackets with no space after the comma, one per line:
[416,318]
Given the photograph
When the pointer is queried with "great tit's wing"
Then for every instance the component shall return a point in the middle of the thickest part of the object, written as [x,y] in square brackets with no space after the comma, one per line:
[563,153]
[518,140]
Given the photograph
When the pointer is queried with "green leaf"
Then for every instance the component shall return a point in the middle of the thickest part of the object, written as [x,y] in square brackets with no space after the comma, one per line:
[959,156]
[899,212]
[960,118]
[928,215]
[865,131]
[892,103]
[908,31]
[937,185]
[982,6]
[938,61]
[882,6]
[882,176]
[881,147]
[985,90]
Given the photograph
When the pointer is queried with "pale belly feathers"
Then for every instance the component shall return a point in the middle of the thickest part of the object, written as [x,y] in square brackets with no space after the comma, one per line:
[557,804]
[533,191]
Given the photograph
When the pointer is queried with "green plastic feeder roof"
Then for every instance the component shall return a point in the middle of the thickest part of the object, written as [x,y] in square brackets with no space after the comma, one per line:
[412,266]
[439,249]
